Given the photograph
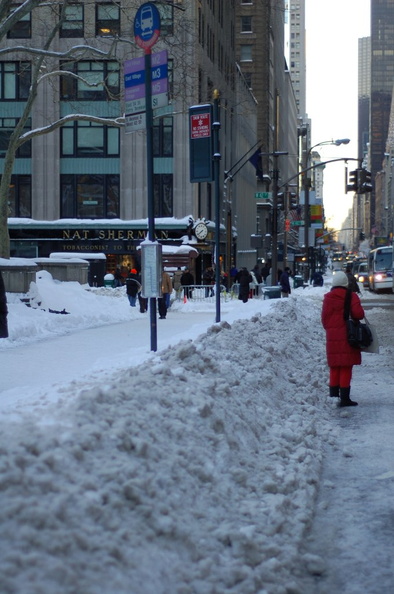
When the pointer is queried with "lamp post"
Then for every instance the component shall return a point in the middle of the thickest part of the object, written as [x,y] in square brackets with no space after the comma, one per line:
[306,186]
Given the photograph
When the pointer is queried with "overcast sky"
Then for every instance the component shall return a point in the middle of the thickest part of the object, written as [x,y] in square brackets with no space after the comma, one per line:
[332,32]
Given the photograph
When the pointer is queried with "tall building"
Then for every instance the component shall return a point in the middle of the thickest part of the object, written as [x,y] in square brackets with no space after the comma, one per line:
[382,76]
[296,55]
[260,46]
[362,206]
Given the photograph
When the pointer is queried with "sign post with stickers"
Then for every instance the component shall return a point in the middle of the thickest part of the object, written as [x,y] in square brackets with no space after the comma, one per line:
[201,143]
[147,32]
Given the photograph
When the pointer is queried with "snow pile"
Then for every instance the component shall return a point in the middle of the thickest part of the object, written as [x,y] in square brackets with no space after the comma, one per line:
[195,472]
[88,308]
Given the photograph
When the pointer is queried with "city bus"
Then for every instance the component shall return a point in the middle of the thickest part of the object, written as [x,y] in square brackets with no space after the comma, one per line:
[380,269]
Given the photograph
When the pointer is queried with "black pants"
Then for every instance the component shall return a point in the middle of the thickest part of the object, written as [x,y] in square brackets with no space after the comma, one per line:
[162,306]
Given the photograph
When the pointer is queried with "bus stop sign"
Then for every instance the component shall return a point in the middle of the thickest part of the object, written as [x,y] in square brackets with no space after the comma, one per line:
[147,25]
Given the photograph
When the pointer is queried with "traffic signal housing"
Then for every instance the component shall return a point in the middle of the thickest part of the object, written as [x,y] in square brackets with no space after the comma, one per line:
[364,182]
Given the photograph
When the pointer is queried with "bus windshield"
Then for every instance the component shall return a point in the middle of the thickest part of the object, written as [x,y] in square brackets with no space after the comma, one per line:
[383,261]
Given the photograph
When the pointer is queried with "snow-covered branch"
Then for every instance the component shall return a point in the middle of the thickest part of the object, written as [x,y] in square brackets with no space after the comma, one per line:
[115,122]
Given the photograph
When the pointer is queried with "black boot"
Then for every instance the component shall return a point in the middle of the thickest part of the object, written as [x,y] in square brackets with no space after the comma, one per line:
[334,391]
[345,398]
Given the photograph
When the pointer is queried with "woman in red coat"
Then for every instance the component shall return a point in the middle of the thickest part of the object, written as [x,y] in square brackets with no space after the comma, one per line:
[340,355]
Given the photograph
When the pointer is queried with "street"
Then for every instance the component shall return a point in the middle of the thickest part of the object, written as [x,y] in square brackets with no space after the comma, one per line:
[353,527]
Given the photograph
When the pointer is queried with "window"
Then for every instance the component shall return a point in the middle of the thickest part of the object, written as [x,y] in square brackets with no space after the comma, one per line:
[88,139]
[89,196]
[107,20]
[166,19]
[19,197]
[15,78]
[163,137]
[7,126]
[98,81]
[246,53]
[21,29]
[72,25]
[246,24]
[163,195]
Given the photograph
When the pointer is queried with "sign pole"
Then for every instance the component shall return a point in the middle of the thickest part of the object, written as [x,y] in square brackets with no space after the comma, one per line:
[149,171]
[216,169]
[147,32]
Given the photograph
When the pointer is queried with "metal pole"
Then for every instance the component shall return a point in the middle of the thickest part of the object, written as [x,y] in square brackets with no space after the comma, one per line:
[149,169]
[216,172]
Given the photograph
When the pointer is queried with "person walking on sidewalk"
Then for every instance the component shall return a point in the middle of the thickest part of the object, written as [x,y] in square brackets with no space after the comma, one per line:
[340,355]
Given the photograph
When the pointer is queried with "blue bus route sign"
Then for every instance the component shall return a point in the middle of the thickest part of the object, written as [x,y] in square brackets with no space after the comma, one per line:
[147,25]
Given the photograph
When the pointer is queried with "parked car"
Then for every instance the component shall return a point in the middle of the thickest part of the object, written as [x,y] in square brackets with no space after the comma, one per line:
[361,274]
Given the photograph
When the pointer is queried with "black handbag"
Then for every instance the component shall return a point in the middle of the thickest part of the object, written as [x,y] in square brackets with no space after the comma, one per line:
[359,335]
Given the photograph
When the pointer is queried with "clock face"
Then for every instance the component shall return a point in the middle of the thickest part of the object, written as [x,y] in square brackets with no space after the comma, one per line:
[201,231]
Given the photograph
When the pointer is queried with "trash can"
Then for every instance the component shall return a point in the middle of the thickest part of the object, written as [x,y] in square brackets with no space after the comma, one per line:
[298,282]
[109,280]
[272,292]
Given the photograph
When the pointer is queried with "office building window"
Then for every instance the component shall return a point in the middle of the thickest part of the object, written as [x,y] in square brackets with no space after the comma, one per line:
[88,139]
[163,137]
[107,20]
[19,196]
[246,24]
[15,79]
[89,196]
[163,195]
[72,24]
[246,53]
[21,29]
[166,19]
[7,126]
[98,81]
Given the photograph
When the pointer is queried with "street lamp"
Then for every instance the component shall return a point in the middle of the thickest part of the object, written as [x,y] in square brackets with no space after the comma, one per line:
[306,186]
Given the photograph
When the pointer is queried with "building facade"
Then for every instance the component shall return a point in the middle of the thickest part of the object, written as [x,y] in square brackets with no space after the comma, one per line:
[82,187]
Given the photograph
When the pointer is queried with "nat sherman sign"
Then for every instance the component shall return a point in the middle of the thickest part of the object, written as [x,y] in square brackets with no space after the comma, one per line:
[111,234]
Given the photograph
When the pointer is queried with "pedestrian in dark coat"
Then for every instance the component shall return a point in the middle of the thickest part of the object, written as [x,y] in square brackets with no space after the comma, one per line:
[244,278]
[284,282]
[340,355]
[133,286]
[3,310]
[187,280]
[353,284]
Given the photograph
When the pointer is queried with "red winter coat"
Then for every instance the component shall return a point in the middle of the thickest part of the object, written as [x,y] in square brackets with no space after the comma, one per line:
[339,352]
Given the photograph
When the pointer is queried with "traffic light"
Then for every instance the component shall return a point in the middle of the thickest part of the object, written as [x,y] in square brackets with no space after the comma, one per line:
[361,236]
[352,186]
[364,181]
[281,201]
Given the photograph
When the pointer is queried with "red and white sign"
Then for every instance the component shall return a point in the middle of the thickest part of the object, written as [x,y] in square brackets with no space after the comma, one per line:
[200,125]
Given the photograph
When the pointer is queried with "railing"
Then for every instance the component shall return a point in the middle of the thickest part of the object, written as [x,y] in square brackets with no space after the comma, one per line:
[202,293]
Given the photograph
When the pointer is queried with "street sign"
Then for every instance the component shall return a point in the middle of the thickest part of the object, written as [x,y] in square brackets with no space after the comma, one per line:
[134,82]
[263,195]
[147,25]
[201,143]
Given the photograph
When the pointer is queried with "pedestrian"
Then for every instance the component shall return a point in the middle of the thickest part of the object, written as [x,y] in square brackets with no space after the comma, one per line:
[340,355]
[233,274]
[284,282]
[187,281]
[244,278]
[166,290]
[3,309]
[133,286]
[257,273]
[317,279]
[118,278]
[265,272]
[208,280]
[176,281]
[353,284]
